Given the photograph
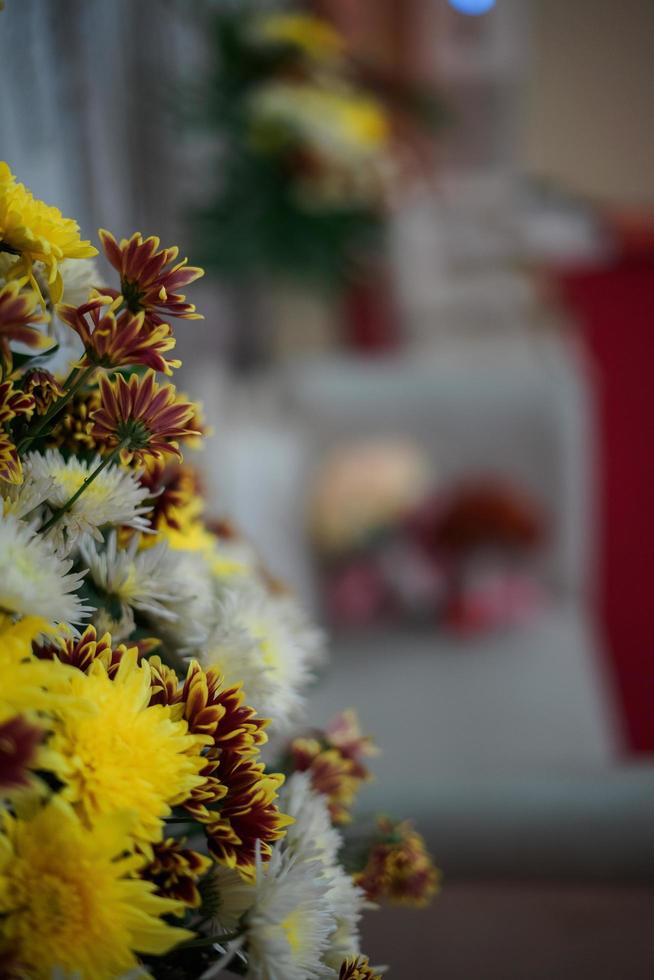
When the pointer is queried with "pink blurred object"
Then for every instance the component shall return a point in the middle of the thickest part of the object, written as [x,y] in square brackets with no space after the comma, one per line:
[416,579]
[356,594]
[494,600]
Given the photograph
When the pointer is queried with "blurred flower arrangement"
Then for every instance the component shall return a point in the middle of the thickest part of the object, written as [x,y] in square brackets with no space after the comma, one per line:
[145,655]
[392,547]
[308,159]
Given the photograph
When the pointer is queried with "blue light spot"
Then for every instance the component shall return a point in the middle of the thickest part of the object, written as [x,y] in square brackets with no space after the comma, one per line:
[472,6]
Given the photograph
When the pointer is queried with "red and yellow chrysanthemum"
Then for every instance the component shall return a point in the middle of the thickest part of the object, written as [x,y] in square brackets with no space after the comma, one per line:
[119,339]
[357,968]
[175,870]
[81,651]
[331,774]
[150,277]
[334,761]
[13,403]
[19,311]
[142,417]
[248,814]
[399,869]
[43,387]
[175,494]
[73,428]
[236,803]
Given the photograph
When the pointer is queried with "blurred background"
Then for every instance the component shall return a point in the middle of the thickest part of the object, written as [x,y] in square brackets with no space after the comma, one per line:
[428,229]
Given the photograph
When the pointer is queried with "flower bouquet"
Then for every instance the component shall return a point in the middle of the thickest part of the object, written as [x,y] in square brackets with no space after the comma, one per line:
[312,147]
[303,150]
[146,828]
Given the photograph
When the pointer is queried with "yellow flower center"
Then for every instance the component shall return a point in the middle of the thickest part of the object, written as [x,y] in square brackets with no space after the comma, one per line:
[292,926]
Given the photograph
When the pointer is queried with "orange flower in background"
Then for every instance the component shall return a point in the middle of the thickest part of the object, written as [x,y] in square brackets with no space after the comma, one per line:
[141,416]
[399,869]
[149,281]
[119,340]
[357,968]
[19,310]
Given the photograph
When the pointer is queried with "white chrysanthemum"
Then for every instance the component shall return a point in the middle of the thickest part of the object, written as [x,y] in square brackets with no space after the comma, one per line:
[312,835]
[231,898]
[121,628]
[264,642]
[34,579]
[141,580]
[114,497]
[289,926]
[347,902]
[196,605]
[24,500]
[233,561]
[79,277]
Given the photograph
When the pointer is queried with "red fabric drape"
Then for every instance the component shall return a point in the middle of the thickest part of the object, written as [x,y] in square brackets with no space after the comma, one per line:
[614,308]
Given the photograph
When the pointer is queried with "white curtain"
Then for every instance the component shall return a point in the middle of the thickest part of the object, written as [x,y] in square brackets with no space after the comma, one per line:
[89,91]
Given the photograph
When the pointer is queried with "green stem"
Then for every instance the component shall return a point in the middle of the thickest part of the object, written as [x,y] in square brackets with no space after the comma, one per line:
[209,940]
[71,377]
[84,486]
[55,409]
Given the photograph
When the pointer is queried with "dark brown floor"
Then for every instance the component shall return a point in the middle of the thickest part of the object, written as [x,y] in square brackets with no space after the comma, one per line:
[519,931]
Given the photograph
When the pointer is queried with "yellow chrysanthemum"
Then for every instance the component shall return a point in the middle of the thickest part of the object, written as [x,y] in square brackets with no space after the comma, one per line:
[67,900]
[25,682]
[314,37]
[192,535]
[34,231]
[28,690]
[118,752]
[15,637]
